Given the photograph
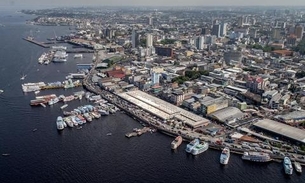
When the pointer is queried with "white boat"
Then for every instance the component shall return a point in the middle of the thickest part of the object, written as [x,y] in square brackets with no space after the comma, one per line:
[64,106]
[297,167]
[200,148]
[60,56]
[225,156]
[23,77]
[78,56]
[60,123]
[1,91]
[287,166]
[36,92]
[53,101]
[68,121]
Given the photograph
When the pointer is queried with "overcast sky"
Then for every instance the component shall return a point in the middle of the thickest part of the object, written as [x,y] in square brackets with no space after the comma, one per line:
[152,2]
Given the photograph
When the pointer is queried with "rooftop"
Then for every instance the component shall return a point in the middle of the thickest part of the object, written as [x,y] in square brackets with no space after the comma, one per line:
[281,129]
[228,113]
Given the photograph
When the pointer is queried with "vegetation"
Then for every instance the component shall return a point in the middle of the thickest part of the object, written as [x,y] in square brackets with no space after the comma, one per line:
[167,41]
[267,48]
[300,47]
[111,61]
[190,75]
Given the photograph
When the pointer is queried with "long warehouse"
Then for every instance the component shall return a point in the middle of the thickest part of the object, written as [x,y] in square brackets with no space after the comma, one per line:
[281,129]
[162,109]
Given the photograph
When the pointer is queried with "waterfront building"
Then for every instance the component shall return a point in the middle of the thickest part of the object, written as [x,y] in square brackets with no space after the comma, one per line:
[209,104]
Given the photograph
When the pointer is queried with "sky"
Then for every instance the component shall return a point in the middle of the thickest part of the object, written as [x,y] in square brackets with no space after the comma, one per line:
[152,2]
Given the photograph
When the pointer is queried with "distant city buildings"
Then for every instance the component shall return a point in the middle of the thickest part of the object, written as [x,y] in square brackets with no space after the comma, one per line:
[135,39]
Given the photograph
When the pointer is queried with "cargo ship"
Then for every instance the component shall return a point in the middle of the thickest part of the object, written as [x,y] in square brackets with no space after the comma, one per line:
[176,143]
[200,148]
[287,166]
[225,156]
[256,156]
[191,145]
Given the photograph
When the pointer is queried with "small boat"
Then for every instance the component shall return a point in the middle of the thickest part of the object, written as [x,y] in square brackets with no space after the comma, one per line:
[43,105]
[36,92]
[64,106]
[109,134]
[176,143]
[5,154]
[1,91]
[225,156]
[34,130]
[297,167]
[80,127]
[287,166]
[23,77]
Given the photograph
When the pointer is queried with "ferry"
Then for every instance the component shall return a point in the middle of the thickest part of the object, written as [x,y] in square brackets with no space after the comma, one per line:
[191,145]
[256,156]
[200,148]
[225,156]
[176,143]
[297,167]
[287,166]
[60,123]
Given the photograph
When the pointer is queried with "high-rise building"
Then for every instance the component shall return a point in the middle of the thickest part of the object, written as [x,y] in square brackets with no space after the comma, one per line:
[135,39]
[200,42]
[299,31]
[155,78]
[216,30]
[150,21]
[205,31]
[253,33]
[223,29]
[240,21]
[276,33]
[291,40]
[149,40]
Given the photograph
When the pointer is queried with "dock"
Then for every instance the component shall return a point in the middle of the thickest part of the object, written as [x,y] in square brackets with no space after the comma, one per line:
[59,86]
[31,40]
[80,51]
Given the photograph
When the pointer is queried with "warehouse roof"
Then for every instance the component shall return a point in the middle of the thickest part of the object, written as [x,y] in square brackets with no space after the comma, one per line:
[282,129]
[228,113]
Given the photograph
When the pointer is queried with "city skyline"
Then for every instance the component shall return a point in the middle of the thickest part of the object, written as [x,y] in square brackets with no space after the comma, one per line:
[150,3]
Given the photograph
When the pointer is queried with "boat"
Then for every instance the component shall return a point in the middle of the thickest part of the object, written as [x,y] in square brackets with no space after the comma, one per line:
[34,130]
[297,167]
[59,47]
[225,156]
[74,121]
[103,112]
[176,143]
[191,145]
[69,122]
[200,148]
[256,156]
[36,92]
[109,134]
[88,117]
[64,106]
[32,87]
[96,115]
[60,123]
[1,91]
[69,98]
[23,77]
[60,56]
[287,166]
[6,154]
[81,118]
[43,105]
[53,101]
[78,56]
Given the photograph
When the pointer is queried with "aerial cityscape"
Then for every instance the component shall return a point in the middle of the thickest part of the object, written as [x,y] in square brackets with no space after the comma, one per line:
[222,85]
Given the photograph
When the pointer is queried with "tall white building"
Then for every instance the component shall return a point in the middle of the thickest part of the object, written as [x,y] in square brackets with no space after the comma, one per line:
[223,29]
[150,21]
[155,78]
[149,40]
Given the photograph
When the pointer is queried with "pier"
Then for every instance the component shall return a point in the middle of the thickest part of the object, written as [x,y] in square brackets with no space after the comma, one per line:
[31,40]
[59,86]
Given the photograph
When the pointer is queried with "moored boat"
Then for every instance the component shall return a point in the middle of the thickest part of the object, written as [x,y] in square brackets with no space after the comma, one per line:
[176,143]
[256,156]
[287,166]
[60,123]
[191,145]
[225,156]
[297,167]
[200,148]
